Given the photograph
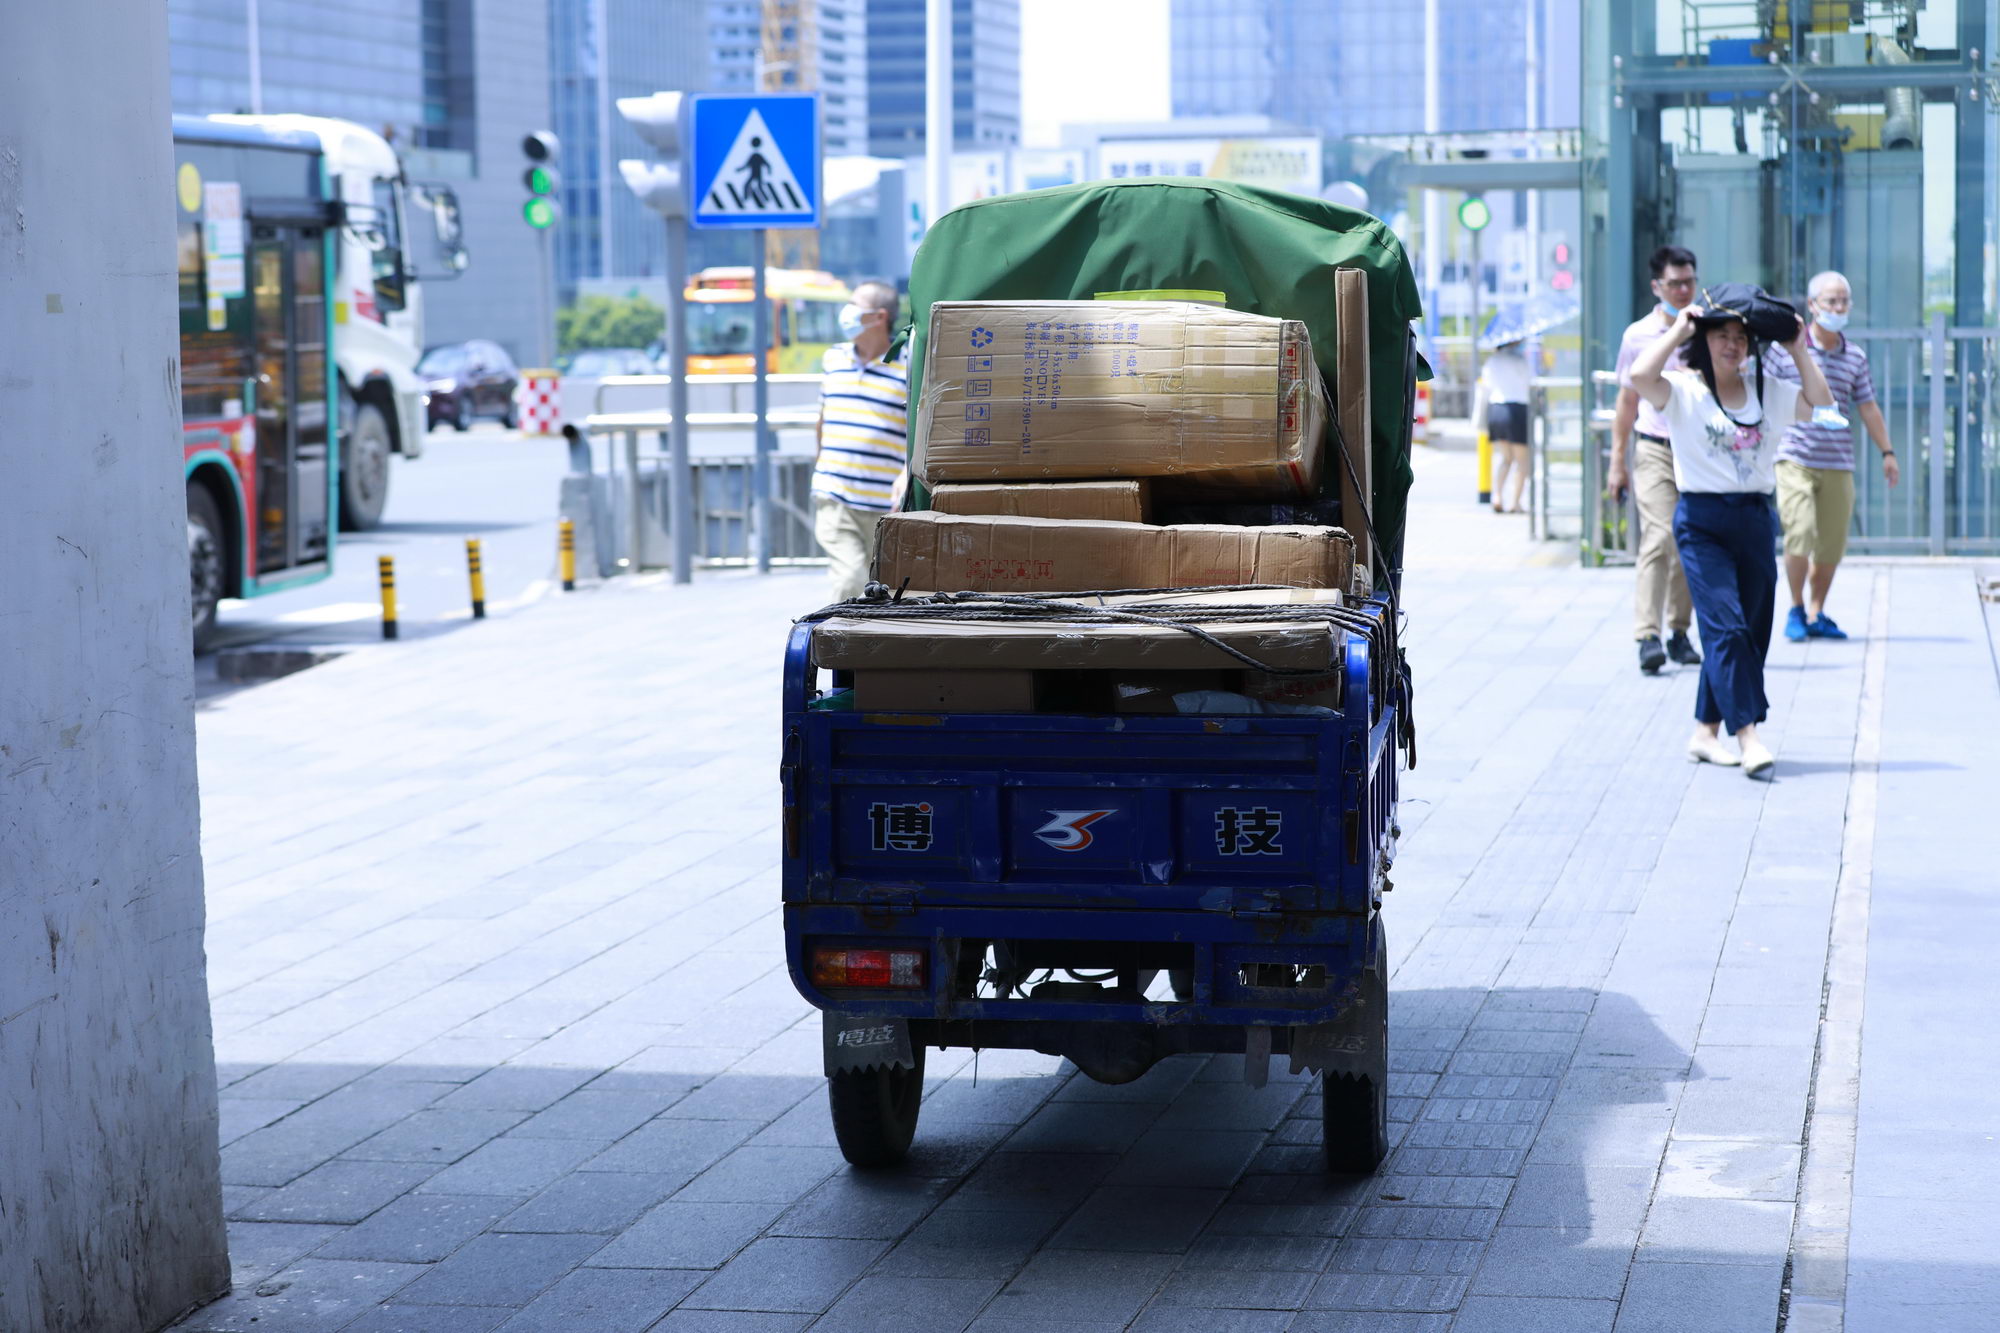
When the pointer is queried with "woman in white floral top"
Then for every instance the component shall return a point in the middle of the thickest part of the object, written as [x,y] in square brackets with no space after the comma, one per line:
[1725,429]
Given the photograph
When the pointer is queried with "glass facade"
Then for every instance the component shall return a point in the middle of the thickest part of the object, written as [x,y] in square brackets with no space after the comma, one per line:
[1357,67]
[1777,141]
[600,51]
[362,61]
[986,75]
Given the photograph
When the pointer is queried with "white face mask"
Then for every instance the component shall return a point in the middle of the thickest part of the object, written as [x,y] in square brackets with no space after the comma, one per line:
[1833,321]
[850,322]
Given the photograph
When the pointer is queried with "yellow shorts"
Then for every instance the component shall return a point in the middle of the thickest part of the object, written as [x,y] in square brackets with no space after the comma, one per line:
[1815,504]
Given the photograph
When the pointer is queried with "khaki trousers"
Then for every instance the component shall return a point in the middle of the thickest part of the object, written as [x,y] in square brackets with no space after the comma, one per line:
[847,535]
[1662,588]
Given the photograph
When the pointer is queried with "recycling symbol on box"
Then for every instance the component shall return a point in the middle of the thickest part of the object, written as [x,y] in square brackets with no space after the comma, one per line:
[982,337]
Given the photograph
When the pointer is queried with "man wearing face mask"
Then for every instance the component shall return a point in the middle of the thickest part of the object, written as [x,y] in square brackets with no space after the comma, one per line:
[862,443]
[1816,460]
[1662,588]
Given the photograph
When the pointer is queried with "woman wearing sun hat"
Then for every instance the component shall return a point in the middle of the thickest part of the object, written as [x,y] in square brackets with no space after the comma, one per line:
[1724,427]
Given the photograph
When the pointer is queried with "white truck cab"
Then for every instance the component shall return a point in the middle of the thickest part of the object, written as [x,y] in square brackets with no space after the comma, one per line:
[378,326]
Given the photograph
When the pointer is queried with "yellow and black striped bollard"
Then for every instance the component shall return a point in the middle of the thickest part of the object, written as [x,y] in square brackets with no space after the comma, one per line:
[566,547]
[387,566]
[478,575]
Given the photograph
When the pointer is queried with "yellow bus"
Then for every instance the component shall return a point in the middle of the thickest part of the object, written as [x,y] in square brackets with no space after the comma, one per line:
[805,320]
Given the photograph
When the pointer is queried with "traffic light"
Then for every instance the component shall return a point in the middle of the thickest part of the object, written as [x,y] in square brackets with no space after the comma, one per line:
[659,119]
[543,152]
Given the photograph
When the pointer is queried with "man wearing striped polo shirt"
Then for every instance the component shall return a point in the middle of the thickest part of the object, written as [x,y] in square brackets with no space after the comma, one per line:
[863,437]
[1816,462]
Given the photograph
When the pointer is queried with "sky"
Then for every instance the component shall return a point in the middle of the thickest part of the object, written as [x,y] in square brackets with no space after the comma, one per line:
[1091,60]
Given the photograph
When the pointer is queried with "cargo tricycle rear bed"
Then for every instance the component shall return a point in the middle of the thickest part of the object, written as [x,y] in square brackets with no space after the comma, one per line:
[1113,888]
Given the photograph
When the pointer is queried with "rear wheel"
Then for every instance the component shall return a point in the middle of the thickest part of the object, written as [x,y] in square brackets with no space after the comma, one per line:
[207,562]
[364,469]
[875,1111]
[1355,1107]
[462,420]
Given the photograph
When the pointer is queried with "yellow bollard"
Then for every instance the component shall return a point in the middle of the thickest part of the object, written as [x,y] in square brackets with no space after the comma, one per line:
[478,578]
[1485,468]
[386,564]
[566,546]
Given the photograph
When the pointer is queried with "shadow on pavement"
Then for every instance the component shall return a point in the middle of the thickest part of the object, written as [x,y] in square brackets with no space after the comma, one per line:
[1529,1125]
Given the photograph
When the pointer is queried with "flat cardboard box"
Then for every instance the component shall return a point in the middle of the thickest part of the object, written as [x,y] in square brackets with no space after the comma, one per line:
[857,643]
[1112,501]
[917,690]
[936,552]
[1209,399]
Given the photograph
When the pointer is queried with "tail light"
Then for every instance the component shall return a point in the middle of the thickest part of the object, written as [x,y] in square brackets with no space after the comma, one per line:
[879,969]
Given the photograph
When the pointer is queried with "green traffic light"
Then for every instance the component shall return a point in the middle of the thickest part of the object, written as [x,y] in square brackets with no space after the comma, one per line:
[1474,214]
[539,213]
[540,180]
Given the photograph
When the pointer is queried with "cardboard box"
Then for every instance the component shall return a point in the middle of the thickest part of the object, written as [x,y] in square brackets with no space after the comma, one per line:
[1205,398]
[980,553]
[1113,501]
[856,643]
[921,690]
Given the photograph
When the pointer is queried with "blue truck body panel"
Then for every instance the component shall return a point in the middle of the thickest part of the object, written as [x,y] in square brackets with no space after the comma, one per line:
[1238,840]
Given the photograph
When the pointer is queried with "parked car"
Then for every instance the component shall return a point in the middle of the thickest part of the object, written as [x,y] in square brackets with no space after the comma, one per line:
[467,380]
[594,363]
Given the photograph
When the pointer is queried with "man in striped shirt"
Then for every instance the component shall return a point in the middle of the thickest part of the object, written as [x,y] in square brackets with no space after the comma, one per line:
[1816,462]
[863,437]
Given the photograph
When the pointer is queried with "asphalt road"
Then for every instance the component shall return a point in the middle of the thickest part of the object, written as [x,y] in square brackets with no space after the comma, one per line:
[488,483]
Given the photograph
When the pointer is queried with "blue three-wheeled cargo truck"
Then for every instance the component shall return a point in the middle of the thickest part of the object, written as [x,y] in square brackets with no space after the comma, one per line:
[1108,886]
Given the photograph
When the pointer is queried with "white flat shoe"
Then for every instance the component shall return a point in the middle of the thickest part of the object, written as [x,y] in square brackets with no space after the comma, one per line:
[1757,760]
[1706,749]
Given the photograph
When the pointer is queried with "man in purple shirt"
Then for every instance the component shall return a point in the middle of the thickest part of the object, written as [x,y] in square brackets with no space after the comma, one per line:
[1662,587]
[1816,461]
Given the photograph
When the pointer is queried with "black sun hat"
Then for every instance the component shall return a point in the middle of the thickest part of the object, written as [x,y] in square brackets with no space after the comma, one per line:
[1763,315]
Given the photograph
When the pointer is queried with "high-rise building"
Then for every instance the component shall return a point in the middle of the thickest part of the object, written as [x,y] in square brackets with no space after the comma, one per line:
[1357,66]
[600,51]
[453,84]
[985,71]
[797,46]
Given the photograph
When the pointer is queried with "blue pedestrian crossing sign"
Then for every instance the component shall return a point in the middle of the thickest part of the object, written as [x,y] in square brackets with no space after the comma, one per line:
[756,161]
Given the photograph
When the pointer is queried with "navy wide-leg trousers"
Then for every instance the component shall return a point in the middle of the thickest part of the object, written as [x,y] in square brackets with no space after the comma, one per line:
[1726,542]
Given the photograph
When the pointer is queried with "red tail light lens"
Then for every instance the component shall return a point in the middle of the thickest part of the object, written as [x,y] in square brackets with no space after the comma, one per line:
[879,969]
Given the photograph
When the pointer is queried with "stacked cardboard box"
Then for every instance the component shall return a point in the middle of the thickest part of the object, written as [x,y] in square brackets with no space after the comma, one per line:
[1047,429]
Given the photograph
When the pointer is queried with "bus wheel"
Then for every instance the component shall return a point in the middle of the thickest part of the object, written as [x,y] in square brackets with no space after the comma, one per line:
[206,548]
[364,469]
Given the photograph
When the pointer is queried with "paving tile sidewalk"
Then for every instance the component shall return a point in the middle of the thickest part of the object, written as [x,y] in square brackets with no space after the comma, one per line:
[506,1040]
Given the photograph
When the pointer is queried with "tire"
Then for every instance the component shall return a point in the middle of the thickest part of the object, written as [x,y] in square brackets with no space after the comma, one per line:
[364,469]
[463,420]
[510,416]
[208,562]
[1355,1107]
[875,1112]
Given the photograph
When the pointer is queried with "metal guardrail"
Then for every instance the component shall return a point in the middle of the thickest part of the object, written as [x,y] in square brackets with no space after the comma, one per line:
[716,526]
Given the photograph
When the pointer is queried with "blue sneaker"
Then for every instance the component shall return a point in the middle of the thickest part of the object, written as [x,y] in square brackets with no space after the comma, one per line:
[1796,628]
[1822,627]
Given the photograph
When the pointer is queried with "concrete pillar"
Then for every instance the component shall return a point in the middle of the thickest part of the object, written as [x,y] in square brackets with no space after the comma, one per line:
[110,1198]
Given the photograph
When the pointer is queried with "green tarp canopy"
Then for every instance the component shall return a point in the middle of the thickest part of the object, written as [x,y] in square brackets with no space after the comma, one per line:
[1267,252]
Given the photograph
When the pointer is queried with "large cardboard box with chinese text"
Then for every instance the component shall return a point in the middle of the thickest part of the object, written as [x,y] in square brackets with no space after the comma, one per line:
[1209,400]
[933,552]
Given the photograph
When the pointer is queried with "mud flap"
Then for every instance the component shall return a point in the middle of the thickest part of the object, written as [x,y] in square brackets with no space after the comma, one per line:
[1354,1043]
[854,1041]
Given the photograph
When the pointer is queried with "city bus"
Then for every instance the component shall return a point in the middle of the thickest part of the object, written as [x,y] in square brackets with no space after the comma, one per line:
[300,330]
[805,320]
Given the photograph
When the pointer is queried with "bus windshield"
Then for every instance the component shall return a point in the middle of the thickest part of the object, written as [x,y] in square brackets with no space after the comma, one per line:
[721,328]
